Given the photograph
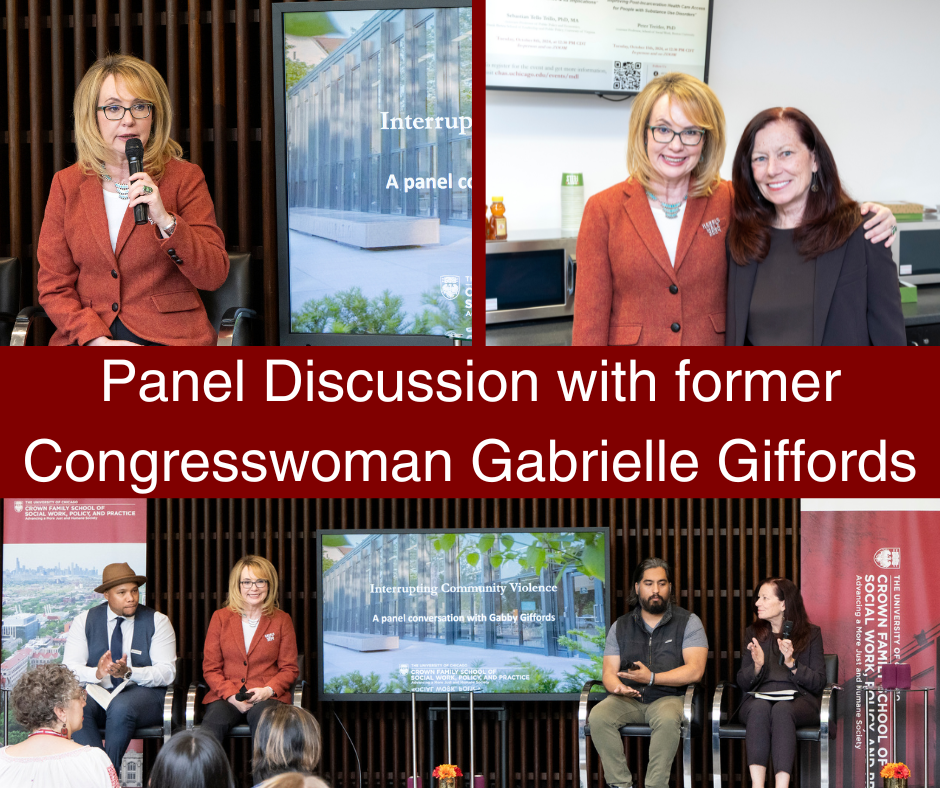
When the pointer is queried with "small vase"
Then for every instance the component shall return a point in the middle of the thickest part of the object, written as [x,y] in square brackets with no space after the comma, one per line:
[896,782]
[451,782]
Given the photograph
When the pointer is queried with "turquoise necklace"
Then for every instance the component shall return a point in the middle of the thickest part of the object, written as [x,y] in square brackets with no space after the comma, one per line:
[670,209]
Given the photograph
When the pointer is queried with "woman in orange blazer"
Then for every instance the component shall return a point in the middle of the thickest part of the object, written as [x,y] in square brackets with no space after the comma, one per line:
[652,265]
[250,649]
[102,278]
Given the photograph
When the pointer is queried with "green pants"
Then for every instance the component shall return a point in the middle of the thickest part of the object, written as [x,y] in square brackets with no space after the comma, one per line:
[664,716]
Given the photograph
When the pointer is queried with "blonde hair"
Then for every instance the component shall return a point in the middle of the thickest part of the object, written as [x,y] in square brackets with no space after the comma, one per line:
[145,82]
[264,570]
[287,739]
[700,105]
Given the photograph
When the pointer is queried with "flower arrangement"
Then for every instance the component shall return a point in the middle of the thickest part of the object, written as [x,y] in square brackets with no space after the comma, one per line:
[896,771]
[447,771]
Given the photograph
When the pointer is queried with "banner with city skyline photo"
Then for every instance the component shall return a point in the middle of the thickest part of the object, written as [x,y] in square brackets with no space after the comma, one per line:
[54,552]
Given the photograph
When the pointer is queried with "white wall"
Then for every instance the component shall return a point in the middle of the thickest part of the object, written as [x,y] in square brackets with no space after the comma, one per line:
[866,71]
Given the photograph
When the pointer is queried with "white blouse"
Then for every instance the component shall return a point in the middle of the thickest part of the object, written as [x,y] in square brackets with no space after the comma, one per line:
[85,767]
[115,207]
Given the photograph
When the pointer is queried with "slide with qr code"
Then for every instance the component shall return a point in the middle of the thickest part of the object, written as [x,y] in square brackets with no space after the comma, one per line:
[597,46]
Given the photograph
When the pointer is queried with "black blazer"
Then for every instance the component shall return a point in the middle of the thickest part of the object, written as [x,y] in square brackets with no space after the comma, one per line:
[810,676]
[857,300]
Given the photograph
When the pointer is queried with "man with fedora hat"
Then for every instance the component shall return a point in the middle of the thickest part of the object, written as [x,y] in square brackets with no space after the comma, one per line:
[121,642]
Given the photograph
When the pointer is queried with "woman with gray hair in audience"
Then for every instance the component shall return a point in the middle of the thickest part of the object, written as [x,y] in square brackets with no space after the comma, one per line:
[287,740]
[48,702]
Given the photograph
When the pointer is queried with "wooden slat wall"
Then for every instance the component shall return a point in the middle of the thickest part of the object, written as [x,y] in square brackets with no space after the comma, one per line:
[719,549]
[216,58]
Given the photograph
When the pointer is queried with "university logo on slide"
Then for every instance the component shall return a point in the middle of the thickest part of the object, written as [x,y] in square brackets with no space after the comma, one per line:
[17,506]
[888,557]
[450,287]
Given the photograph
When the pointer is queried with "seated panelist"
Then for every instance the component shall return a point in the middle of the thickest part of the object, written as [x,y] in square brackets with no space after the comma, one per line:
[250,660]
[771,661]
[125,648]
[103,279]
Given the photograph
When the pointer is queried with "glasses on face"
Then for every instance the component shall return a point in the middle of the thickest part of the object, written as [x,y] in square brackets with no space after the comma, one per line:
[259,584]
[116,111]
[665,135]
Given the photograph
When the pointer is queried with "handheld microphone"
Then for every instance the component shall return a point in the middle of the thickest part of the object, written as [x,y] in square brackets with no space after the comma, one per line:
[787,631]
[134,150]
[243,693]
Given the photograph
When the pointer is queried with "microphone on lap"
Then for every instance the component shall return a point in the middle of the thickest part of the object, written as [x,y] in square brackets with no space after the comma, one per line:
[787,631]
[243,693]
[134,150]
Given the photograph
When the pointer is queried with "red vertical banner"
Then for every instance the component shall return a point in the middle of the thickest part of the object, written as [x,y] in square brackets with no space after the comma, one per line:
[54,551]
[872,585]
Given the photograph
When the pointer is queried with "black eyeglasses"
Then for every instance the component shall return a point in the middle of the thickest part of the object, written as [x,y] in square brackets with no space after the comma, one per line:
[116,111]
[665,135]
[254,583]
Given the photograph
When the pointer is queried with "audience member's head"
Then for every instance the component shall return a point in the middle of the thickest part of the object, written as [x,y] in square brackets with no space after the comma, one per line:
[49,697]
[287,739]
[191,759]
[293,780]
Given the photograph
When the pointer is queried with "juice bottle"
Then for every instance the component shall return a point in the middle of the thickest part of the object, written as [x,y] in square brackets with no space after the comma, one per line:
[498,220]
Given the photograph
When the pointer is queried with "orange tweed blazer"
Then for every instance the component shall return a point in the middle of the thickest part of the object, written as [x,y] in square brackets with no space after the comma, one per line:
[623,294]
[271,660]
[81,278]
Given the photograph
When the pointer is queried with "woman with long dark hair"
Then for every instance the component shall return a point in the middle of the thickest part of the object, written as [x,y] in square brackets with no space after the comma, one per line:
[774,661]
[801,271]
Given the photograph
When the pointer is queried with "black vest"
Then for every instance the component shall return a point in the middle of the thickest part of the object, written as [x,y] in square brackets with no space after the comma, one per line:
[660,650]
[96,633]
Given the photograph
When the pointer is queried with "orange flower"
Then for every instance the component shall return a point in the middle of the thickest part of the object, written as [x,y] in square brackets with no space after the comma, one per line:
[447,771]
[896,771]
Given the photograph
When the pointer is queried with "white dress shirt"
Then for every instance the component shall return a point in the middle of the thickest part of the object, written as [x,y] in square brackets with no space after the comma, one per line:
[669,229]
[162,652]
[115,207]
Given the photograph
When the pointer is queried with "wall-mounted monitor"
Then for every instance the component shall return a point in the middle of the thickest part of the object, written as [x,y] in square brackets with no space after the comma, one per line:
[509,613]
[373,138]
[594,46]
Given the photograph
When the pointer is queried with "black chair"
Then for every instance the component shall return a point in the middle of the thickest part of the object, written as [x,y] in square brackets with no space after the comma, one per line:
[9,296]
[693,718]
[198,689]
[817,761]
[228,307]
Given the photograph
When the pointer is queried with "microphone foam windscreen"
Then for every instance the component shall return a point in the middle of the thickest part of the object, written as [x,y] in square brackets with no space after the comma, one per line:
[134,148]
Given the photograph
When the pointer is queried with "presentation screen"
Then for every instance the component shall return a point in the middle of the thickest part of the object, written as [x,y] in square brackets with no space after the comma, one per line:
[374,132]
[509,613]
[594,46]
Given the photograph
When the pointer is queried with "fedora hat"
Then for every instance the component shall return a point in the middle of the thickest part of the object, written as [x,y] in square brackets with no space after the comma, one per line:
[115,574]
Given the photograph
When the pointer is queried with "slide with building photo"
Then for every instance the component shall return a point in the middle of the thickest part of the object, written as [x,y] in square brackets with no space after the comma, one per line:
[496,612]
[379,176]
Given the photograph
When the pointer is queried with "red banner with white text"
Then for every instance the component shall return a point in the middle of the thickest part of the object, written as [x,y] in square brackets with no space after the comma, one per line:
[870,583]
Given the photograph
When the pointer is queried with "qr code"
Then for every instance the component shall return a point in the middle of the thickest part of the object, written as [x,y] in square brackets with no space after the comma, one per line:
[627,75]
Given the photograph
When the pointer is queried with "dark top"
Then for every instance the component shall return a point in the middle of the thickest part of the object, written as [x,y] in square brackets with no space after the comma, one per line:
[660,650]
[810,675]
[782,302]
[856,299]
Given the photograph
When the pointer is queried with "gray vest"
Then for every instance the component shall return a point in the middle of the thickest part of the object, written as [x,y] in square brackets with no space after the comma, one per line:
[660,650]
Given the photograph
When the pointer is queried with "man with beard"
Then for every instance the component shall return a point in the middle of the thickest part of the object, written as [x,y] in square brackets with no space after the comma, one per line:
[652,654]
[126,648]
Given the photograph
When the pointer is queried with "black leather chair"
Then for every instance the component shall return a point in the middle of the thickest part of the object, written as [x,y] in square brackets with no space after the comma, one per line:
[198,689]
[166,728]
[229,308]
[9,296]
[693,718]
[817,758]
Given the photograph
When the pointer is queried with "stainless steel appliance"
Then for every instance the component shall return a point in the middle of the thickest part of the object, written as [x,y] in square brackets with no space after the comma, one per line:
[916,252]
[530,276]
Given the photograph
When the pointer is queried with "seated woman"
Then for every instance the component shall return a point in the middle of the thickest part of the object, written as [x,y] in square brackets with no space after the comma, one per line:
[191,759]
[652,258]
[802,272]
[772,662]
[102,278]
[250,661]
[48,701]
[287,741]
